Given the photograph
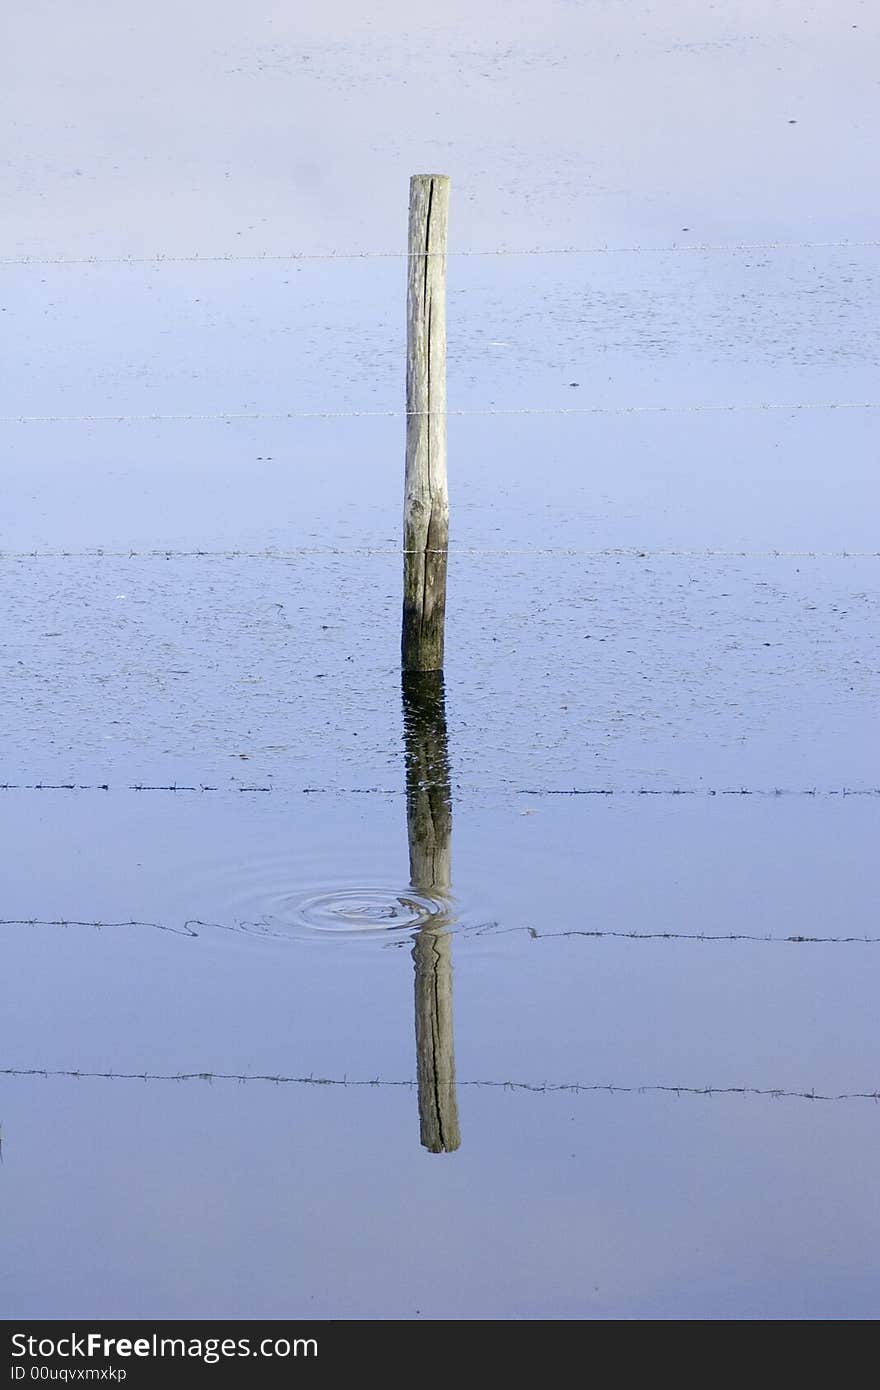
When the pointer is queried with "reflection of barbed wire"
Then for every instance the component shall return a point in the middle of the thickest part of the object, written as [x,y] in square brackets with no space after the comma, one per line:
[542,1087]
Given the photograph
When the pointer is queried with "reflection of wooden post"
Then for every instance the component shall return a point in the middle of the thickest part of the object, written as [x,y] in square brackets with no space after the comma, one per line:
[438,1105]
[429,831]
[426,505]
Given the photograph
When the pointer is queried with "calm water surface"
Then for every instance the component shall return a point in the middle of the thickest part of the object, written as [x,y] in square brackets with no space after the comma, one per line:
[502,1000]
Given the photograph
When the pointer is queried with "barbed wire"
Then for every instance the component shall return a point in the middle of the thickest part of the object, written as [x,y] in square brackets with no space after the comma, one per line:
[493,929]
[458,788]
[193,926]
[186,928]
[699,791]
[226,416]
[101,552]
[540,1088]
[132,787]
[268,257]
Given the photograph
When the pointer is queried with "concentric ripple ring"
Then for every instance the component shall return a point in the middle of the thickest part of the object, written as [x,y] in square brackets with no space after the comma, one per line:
[369,909]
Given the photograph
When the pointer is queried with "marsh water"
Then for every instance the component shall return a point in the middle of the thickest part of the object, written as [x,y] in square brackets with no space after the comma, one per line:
[545,990]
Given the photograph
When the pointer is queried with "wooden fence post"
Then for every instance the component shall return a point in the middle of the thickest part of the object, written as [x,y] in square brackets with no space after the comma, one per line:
[426,502]
[429,833]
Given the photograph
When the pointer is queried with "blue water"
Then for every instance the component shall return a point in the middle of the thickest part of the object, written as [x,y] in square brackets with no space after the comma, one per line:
[658,750]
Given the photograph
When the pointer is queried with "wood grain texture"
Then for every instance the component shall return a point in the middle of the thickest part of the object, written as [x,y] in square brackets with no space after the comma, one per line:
[426,500]
[429,833]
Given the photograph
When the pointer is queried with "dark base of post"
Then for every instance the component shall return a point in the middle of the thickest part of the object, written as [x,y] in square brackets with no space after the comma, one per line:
[428,791]
[424,611]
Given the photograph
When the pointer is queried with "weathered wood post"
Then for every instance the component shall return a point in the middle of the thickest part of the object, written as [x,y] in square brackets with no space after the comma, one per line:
[429,833]
[426,502]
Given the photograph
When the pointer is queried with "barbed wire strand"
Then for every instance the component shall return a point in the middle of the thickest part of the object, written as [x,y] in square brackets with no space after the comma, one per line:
[493,929]
[268,257]
[458,788]
[540,1088]
[229,416]
[100,552]
[193,926]
[187,928]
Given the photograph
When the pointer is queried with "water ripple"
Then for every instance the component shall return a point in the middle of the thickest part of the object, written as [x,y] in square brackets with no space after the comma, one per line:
[347,911]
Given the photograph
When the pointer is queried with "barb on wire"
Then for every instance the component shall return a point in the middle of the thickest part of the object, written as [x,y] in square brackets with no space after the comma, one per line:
[229,416]
[539,1088]
[268,257]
